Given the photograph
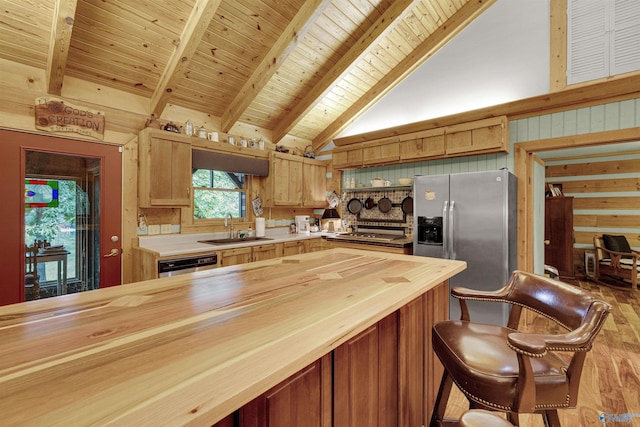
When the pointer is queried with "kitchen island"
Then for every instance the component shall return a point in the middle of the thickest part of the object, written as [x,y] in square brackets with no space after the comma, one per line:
[309,335]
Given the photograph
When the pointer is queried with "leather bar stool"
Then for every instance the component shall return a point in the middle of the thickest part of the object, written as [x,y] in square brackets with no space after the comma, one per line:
[500,368]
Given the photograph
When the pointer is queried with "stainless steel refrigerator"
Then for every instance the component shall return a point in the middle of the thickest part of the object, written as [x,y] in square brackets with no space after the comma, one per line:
[470,217]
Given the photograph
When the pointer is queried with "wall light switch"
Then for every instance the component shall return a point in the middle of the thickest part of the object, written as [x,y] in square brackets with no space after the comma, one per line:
[165,229]
[153,229]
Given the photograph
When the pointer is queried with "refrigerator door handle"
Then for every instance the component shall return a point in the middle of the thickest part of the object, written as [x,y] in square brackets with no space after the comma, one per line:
[452,251]
[445,226]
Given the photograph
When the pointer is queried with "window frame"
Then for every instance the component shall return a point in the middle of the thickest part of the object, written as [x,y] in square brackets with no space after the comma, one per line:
[216,221]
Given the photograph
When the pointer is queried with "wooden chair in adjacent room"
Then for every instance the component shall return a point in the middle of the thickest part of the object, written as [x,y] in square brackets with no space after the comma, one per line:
[616,263]
[31,277]
[502,369]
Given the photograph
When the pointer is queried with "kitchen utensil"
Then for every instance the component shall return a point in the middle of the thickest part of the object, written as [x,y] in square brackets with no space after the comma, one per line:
[170,127]
[202,132]
[333,200]
[405,181]
[407,204]
[384,204]
[377,182]
[188,128]
[354,206]
[369,203]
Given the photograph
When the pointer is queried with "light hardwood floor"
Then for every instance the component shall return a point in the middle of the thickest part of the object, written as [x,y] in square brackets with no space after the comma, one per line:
[611,379]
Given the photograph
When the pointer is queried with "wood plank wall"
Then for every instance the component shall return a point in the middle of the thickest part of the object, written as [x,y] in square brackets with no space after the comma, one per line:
[606,193]
[621,215]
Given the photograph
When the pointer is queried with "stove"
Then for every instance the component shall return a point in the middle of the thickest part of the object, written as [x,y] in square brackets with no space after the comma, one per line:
[374,235]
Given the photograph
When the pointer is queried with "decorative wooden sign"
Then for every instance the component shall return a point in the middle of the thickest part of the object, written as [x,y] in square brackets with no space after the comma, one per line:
[56,115]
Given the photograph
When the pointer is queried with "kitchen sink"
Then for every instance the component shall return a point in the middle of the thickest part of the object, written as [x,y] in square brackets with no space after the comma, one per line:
[228,241]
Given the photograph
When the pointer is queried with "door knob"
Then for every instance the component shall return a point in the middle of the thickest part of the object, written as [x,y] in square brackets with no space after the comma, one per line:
[547,242]
[114,252]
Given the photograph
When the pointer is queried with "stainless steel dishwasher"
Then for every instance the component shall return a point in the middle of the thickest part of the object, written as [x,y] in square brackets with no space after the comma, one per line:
[175,266]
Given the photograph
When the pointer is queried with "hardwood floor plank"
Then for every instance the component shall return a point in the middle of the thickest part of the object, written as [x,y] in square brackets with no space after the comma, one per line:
[611,377]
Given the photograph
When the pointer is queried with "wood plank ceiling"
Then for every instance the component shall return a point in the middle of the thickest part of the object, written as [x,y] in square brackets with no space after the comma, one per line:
[303,68]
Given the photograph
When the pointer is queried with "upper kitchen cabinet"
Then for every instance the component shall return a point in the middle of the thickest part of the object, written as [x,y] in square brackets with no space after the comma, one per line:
[381,152]
[283,186]
[314,183]
[349,157]
[465,139]
[479,137]
[422,145]
[295,181]
[164,173]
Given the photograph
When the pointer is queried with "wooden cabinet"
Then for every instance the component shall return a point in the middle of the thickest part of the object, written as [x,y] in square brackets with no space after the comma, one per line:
[347,157]
[381,152]
[482,136]
[295,247]
[478,137]
[315,245]
[314,183]
[234,256]
[304,399]
[558,235]
[366,377]
[164,172]
[425,145]
[295,181]
[263,252]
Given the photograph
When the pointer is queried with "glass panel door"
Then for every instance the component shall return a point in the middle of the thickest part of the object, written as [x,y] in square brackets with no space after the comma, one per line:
[62,218]
[65,196]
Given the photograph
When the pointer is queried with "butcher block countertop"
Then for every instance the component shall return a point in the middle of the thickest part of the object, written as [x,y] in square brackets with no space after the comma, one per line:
[190,349]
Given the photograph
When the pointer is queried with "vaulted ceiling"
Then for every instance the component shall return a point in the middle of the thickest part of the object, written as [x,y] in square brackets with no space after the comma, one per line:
[295,67]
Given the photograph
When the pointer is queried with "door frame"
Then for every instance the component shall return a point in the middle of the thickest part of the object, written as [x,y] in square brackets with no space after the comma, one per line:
[13,145]
[524,159]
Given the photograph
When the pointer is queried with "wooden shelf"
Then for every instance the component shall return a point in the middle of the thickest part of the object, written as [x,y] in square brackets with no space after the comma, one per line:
[390,188]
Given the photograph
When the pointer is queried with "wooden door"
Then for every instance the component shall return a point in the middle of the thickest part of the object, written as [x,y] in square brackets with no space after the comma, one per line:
[165,170]
[558,234]
[294,248]
[263,252]
[287,179]
[106,234]
[304,399]
[235,256]
[366,378]
[315,183]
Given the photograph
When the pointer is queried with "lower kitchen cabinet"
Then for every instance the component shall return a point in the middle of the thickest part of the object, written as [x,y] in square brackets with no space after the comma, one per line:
[366,377]
[237,256]
[386,376]
[263,252]
[294,247]
[315,245]
[234,256]
[301,400]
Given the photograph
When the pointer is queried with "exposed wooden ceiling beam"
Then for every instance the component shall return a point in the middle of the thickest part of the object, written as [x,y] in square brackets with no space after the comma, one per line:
[282,48]
[424,51]
[62,25]
[378,30]
[196,25]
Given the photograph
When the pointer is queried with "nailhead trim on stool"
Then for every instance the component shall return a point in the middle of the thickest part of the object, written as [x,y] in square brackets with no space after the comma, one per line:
[482,418]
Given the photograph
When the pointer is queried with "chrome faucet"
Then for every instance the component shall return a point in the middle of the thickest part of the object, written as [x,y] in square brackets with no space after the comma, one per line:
[229,224]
